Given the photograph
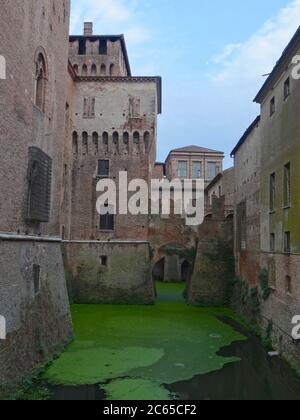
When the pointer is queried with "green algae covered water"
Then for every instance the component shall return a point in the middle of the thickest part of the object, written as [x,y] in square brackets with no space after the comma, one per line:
[166,351]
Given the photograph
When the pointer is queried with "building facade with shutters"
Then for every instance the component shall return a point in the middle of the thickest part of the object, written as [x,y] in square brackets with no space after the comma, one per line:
[267,208]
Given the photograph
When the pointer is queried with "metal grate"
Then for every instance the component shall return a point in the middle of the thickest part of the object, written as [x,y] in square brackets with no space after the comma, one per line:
[39,185]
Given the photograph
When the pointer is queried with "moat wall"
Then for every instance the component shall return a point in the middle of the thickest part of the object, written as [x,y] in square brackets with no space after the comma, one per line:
[213,271]
[109,272]
[38,321]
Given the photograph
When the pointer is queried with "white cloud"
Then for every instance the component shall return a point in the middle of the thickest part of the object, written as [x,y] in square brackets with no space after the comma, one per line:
[110,17]
[248,61]
[137,35]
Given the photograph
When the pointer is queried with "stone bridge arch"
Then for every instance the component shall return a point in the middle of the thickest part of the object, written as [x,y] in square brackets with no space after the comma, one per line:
[173,263]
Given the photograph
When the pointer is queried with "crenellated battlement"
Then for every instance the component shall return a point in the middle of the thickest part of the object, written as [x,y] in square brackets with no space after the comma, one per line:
[113,143]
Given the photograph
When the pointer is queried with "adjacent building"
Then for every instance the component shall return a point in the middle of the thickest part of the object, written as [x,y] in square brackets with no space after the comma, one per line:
[194,162]
[267,205]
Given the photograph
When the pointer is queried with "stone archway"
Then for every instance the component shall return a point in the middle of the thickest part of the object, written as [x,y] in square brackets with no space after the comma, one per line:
[158,271]
[185,271]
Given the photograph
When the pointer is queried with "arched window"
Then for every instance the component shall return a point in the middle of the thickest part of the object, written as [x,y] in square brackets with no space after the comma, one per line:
[105,141]
[96,143]
[103,70]
[41,78]
[84,70]
[85,146]
[126,141]
[136,137]
[94,70]
[147,141]
[116,141]
[75,67]
[75,142]
[112,70]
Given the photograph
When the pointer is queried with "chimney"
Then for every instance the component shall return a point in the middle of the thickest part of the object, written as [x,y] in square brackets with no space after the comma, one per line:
[88,28]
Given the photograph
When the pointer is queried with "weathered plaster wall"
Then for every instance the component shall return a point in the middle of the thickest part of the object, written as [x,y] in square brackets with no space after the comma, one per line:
[280,146]
[247,180]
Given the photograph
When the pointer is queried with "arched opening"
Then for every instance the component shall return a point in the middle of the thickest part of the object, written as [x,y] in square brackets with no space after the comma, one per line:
[158,272]
[147,141]
[75,67]
[136,141]
[229,216]
[84,70]
[105,141]
[41,78]
[185,271]
[95,143]
[208,216]
[103,70]
[126,141]
[116,141]
[112,70]
[75,142]
[85,147]
[94,70]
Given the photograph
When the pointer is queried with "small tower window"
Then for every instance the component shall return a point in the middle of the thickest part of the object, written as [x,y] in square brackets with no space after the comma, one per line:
[96,143]
[84,70]
[94,70]
[112,70]
[287,88]
[41,77]
[103,70]
[147,141]
[103,47]
[85,143]
[75,142]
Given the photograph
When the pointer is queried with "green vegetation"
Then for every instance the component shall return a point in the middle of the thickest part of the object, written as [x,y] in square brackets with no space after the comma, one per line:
[146,345]
[264,284]
[135,389]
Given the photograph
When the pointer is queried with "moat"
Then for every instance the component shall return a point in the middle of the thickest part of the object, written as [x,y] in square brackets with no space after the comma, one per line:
[164,352]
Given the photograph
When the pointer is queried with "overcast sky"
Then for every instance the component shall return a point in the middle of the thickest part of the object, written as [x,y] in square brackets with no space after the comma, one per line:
[211,54]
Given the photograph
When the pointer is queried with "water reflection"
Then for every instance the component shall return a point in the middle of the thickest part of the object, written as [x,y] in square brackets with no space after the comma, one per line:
[256,377]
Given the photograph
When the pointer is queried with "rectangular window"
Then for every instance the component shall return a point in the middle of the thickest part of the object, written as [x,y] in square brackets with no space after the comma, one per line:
[287,242]
[197,170]
[103,168]
[272,242]
[212,170]
[182,169]
[272,106]
[272,191]
[107,222]
[242,226]
[89,107]
[39,178]
[287,88]
[287,185]
[103,47]
[103,260]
